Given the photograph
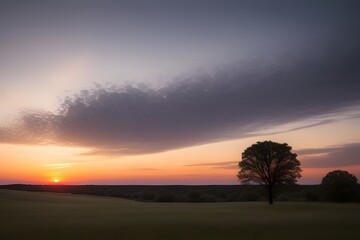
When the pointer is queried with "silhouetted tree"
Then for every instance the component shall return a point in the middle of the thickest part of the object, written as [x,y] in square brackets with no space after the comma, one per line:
[339,186]
[269,163]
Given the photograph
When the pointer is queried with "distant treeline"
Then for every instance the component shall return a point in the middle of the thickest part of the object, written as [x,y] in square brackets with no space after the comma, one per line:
[182,193]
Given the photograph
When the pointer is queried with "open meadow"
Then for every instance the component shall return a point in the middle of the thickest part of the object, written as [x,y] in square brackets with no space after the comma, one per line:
[28,215]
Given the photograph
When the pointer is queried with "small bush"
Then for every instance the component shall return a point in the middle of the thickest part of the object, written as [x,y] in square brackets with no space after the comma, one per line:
[194,195]
[165,197]
[148,195]
[204,197]
[247,196]
[311,197]
[232,197]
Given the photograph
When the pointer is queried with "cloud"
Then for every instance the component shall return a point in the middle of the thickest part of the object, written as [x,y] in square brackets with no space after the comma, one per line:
[222,165]
[145,169]
[59,165]
[294,126]
[231,102]
[327,157]
[336,156]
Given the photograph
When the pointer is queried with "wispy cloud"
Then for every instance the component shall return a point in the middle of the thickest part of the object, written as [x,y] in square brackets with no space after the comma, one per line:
[327,157]
[223,165]
[145,169]
[333,156]
[307,123]
[59,165]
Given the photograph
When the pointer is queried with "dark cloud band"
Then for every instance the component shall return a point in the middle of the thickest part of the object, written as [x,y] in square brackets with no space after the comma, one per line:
[229,103]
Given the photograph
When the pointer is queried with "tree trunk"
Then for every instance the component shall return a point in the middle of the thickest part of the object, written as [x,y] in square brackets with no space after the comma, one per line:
[270,196]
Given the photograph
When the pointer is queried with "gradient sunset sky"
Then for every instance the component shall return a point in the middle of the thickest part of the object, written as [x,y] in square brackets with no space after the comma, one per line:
[172,92]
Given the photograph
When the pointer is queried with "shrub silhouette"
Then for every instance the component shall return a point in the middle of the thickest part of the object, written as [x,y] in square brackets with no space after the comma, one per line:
[339,186]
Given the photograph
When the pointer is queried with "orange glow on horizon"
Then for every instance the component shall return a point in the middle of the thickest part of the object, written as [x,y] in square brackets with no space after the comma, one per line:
[192,165]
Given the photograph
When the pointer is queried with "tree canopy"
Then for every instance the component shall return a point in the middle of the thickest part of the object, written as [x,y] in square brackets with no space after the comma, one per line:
[339,186]
[269,163]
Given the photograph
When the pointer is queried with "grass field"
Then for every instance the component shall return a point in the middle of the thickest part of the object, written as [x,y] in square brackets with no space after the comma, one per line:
[50,216]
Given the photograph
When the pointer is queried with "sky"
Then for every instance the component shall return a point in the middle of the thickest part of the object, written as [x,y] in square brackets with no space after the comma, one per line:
[172,92]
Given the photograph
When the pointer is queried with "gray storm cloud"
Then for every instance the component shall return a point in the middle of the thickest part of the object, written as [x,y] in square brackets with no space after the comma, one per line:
[231,102]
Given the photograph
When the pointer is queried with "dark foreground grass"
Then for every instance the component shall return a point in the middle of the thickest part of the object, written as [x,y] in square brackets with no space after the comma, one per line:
[51,216]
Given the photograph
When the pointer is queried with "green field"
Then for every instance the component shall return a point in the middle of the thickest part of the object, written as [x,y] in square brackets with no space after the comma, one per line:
[28,215]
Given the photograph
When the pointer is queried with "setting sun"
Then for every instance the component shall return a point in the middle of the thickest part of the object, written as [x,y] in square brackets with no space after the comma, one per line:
[56,180]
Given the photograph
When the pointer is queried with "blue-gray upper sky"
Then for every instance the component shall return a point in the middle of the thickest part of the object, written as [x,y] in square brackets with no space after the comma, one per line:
[126,41]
